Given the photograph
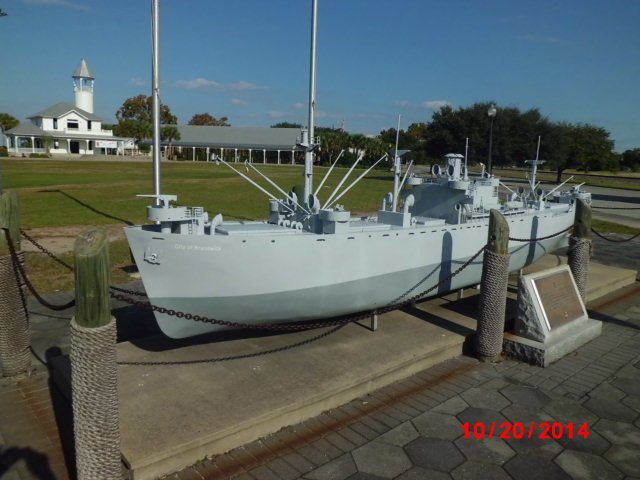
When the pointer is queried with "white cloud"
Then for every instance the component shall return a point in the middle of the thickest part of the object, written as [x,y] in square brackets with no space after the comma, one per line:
[204,83]
[138,82]
[197,83]
[404,103]
[436,104]
[239,101]
[299,105]
[242,85]
[61,3]
[277,114]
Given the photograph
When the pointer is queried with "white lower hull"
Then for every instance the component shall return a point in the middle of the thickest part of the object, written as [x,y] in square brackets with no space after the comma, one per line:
[259,278]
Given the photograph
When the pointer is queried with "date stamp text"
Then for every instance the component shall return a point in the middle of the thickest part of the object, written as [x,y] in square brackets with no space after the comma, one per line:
[525,430]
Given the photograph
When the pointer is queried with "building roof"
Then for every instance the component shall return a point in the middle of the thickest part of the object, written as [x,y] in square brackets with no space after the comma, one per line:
[60,109]
[26,129]
[83,71]
[237,137]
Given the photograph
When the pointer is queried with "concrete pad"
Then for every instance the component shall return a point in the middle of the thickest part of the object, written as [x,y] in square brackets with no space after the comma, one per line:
[560,342]
[173,415]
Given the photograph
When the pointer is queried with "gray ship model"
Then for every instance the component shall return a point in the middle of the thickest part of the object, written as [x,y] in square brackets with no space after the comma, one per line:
[311,260]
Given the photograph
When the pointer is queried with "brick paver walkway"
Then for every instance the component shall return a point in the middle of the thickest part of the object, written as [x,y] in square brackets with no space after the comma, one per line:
[413,429]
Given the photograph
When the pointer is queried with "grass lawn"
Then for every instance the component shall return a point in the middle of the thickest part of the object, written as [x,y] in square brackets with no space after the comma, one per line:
[609,182]
[61,193]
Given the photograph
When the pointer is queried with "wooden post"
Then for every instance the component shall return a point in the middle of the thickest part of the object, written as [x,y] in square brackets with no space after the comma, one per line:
[93,276]
[580,247]
[498,238]
[493,290]
[15,337]
[9,218]
[94,369]
[582,226]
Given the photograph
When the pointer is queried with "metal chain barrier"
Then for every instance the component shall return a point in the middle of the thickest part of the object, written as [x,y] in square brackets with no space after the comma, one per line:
[616,208]
[94,388]
[20,273]
[15,340]
[45,251]
[616,240]
[529,240]
[128,292]
[69,267]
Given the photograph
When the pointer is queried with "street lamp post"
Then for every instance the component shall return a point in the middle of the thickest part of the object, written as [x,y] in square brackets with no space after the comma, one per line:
[492,113]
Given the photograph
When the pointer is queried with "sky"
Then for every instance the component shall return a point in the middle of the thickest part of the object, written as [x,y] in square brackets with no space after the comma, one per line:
[248,60]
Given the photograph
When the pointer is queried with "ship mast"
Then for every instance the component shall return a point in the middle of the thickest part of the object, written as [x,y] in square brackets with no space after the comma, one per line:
[156,98]
[310,154]
[397,171]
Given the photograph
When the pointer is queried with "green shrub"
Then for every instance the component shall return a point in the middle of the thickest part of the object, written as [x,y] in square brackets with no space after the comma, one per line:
[38,155]
[4,152]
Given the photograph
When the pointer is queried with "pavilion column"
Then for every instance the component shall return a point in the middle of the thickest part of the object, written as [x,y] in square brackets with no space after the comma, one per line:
[250,155]
[293,158]
[193,158]
[236,156]
[207,154]
[278,157]
[222,153]
[68,145]
[33,144]
[264,156]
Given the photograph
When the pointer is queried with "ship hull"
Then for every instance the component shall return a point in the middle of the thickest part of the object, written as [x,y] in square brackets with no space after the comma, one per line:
[267,278]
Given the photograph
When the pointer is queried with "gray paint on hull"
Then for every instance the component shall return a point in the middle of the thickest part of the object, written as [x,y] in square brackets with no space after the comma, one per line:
[331,300]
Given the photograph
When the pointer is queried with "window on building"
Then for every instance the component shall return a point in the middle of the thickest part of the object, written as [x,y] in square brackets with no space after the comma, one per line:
[73,124]
[88,124]
[55,123]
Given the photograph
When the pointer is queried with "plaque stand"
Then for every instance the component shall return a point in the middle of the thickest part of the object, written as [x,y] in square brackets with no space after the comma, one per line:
[551,318]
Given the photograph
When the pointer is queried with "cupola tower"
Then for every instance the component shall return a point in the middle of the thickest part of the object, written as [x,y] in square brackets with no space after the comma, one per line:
[83,87]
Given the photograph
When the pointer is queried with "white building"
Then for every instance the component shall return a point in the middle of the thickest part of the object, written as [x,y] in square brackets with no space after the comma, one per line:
[65,128]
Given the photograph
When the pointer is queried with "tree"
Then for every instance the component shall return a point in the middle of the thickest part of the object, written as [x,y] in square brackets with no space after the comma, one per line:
[7,122]
[631,159]
[48,141]
[207,119]
[168,133]
[515,138]
[331,143]
[133,128]
[555,148]
[590,148]
[375,148]
[286,125]
[135,118]
[140,108]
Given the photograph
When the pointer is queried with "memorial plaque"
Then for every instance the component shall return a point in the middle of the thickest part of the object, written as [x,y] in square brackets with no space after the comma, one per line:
[559,298]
